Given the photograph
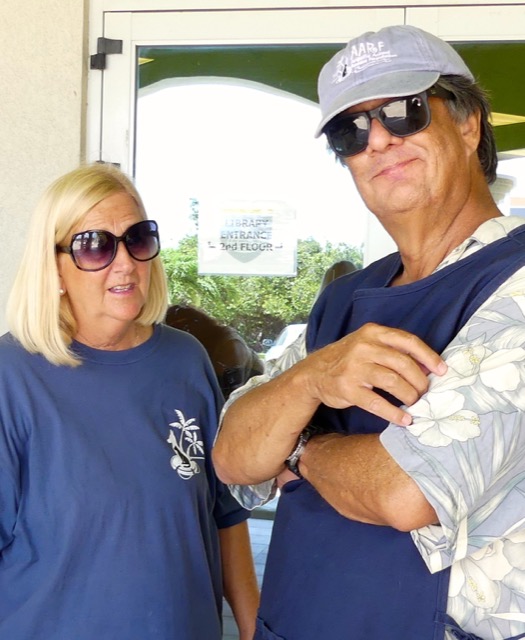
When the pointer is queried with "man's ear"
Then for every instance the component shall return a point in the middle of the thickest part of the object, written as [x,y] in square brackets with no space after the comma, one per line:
[471,131]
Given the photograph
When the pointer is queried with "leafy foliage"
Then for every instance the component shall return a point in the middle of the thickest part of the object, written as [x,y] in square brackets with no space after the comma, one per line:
[257,306]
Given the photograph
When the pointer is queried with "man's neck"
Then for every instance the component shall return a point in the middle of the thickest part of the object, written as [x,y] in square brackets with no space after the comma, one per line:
[424,247]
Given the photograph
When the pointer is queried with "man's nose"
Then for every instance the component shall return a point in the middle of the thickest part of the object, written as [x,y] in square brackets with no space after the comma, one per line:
[379,138]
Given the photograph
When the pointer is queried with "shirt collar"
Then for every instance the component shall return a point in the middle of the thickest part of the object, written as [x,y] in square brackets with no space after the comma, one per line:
[490,231]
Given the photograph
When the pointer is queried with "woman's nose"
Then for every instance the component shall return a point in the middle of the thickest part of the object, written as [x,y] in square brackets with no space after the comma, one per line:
[123,260]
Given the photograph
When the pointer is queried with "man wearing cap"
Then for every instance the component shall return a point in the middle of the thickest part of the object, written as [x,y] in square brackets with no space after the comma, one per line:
[396,429]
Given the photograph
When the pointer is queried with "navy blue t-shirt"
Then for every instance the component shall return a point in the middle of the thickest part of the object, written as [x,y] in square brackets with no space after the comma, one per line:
[109,507]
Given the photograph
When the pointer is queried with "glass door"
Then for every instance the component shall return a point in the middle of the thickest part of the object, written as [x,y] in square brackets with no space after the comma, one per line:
[221,104]
[213,112]
[201,108]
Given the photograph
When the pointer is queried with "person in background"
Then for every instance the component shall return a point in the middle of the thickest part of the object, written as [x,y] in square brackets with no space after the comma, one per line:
[402,418]
[113,524]
[294,349]
[233,360]
[334,271]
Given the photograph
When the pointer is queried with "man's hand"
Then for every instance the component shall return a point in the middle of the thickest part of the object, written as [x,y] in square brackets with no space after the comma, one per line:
[262,426]
[345,373]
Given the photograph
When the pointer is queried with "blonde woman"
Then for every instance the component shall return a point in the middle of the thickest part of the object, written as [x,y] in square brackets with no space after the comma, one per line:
[112,521]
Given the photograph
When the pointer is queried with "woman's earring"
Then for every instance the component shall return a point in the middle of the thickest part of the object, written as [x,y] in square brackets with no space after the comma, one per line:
[61,291]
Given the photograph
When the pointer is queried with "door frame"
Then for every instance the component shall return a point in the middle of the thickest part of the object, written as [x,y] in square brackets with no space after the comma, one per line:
[111,92]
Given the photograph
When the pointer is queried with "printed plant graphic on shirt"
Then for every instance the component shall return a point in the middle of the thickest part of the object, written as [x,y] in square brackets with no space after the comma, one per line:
[187,448]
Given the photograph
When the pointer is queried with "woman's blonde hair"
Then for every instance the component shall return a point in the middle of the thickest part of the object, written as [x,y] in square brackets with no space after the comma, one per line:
[37,316]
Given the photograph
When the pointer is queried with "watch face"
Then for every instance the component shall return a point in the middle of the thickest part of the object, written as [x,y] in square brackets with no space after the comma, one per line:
[292,462]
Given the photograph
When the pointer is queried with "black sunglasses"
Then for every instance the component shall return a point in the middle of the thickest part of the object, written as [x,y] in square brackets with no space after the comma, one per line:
[348,133]
[96,249]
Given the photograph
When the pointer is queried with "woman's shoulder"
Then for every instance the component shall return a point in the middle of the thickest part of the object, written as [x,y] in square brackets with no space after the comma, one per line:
[11,349]
[14,359]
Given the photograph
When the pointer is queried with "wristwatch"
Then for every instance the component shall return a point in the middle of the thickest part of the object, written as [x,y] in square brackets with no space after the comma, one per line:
[292,461]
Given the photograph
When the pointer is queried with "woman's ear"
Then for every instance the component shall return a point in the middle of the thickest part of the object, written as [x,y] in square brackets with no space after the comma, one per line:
[61,285]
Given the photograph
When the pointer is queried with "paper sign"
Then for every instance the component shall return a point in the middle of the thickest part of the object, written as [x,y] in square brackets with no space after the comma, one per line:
[247,238]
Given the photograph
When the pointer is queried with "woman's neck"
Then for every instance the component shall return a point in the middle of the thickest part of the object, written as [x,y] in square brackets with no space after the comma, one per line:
[133,336]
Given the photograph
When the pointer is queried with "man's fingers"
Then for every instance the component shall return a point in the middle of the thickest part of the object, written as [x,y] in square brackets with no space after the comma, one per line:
[411,345]
[379,406]
[406,387]
[346,372]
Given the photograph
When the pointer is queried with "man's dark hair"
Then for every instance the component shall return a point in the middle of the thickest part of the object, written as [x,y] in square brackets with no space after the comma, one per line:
[470,98]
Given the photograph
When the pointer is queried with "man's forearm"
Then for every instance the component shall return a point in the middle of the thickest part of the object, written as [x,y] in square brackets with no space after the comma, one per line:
[356,475]
[260,429]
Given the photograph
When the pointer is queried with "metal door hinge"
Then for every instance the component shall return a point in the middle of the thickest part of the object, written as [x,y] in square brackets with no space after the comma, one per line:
[105,46]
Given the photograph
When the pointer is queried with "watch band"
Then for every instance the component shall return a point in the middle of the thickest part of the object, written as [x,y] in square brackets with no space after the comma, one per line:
[292,461]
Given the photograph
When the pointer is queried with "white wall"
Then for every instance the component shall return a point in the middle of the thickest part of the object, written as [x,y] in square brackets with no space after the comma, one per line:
[43,67]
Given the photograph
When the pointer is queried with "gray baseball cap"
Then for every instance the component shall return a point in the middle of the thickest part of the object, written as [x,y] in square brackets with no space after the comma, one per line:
[392,62]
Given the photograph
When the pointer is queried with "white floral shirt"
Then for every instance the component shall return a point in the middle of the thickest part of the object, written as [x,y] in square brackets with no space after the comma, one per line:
[466,451]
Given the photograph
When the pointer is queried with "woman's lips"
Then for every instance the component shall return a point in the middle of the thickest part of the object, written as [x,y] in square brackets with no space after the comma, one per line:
[122,288]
